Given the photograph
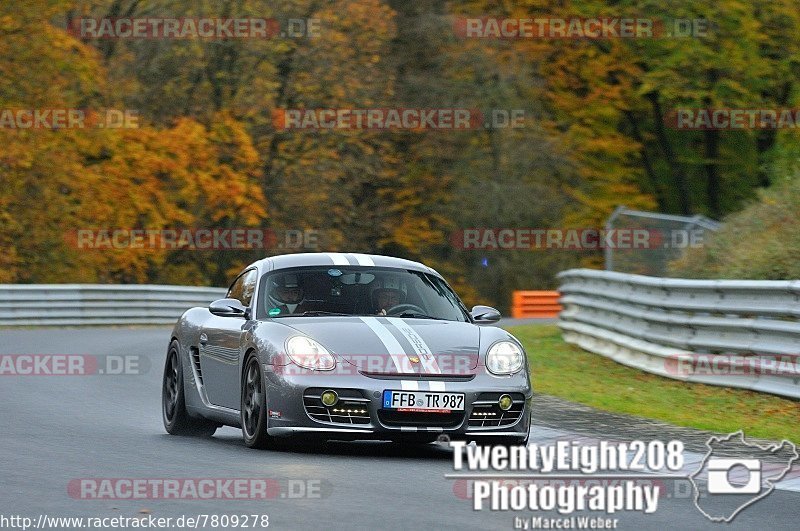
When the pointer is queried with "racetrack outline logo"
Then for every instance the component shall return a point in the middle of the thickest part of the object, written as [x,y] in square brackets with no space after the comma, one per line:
[718,469]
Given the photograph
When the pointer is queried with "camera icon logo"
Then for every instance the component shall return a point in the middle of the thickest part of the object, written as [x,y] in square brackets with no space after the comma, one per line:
[735,473]
[721,474]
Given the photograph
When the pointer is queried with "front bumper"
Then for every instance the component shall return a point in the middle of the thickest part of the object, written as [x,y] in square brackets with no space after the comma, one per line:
[294,407]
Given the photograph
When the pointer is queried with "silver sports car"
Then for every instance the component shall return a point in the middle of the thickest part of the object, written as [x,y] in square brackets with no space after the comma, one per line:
[308,347]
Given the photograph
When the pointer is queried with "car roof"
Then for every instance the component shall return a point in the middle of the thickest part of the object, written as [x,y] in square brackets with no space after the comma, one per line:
[284,261]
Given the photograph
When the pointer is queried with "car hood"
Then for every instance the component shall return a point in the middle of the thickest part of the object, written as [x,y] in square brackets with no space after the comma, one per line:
[391,345]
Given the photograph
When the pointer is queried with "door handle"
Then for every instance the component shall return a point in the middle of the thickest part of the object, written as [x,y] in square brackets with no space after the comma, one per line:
[203,338]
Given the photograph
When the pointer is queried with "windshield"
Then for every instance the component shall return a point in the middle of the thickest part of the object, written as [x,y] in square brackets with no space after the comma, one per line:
[325,290]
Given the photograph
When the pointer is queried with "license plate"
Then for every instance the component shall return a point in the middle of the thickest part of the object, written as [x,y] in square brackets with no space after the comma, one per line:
[423,401]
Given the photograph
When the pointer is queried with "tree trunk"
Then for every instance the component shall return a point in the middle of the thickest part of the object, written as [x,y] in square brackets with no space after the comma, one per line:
[765,139]
[646,162]
[711,140]
[676,168]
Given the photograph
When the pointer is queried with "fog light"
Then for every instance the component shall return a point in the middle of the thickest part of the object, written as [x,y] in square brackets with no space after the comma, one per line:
[329,398]
[505,402]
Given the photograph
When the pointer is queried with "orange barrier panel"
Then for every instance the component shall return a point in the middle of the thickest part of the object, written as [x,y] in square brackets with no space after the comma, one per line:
[542,304]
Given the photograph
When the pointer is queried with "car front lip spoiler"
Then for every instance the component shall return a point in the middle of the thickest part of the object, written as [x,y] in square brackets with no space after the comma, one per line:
[279,431]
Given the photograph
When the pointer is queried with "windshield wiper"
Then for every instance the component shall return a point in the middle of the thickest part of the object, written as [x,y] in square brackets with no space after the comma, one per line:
[312,313]
[416,315]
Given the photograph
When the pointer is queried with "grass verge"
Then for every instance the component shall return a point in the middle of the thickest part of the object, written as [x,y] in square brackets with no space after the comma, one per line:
[566,371]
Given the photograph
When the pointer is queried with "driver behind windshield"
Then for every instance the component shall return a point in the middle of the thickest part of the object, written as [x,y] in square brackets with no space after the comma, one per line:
[388,293]
[286,294]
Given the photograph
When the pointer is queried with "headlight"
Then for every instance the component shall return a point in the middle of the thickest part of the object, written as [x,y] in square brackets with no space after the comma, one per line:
[309,354]
[504,357]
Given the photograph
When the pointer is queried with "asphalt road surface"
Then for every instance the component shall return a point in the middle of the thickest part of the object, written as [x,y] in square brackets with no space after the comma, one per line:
[57,430]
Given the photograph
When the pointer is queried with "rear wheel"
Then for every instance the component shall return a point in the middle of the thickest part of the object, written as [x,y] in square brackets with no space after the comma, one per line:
[173,401]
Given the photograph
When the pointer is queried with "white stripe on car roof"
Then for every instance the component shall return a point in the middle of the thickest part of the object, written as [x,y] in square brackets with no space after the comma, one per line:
[362,259]
[338,258]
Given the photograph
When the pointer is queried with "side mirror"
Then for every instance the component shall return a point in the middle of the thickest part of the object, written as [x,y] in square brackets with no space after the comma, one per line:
[484,314]
[228,308]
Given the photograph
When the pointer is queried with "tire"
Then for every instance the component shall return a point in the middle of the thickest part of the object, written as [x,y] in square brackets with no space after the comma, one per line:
[253,408]
[173,401]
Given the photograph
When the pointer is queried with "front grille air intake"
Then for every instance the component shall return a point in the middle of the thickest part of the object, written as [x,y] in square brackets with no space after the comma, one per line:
[351,409]
[486,412]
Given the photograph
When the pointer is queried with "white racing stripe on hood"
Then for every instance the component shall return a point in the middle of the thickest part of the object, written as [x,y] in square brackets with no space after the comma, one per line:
[363,260]
[426,357]
[338,258]
[393,346]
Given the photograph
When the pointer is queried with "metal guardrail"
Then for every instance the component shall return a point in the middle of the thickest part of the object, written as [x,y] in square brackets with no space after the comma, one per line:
[734,333]
[96,304]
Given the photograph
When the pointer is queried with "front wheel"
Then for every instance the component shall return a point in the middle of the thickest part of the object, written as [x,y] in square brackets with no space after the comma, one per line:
[173,401]
[254,408]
